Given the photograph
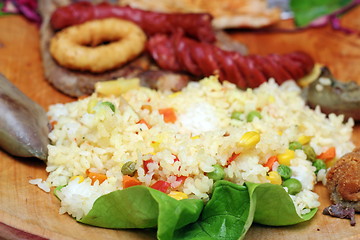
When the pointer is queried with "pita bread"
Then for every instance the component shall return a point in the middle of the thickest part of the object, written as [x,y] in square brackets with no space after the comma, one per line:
[227,13]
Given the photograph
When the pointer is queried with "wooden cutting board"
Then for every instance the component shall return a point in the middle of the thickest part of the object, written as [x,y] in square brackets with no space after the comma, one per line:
[26,212]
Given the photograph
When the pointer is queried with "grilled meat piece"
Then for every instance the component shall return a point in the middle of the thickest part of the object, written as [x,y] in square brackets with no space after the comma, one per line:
[76,83]
[343,181]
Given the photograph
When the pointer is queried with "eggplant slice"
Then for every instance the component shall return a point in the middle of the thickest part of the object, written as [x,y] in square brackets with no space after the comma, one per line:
[24,125]
[334,96]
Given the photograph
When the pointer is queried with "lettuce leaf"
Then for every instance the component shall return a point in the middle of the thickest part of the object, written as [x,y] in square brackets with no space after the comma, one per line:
[306,11]
[143,207]
[274,207]
[227,215]
[232,209]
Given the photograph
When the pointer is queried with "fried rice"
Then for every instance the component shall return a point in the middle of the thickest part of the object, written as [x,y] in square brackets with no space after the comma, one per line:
[90,136]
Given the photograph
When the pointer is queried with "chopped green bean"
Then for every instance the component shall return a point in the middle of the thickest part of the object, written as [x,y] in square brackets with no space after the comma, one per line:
[310,153]
[236,115]
[253,114]
[128,168]
[110,105]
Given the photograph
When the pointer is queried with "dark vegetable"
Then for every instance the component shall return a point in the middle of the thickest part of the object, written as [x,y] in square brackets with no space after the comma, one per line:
[23,123]
[321,12]
[28,8]
[128,168]
[307,11]
[341,212]
[293,185]
[253,114]
[295,145]
[218,173]
[319,164]
[284,171]
[310,153]
[334,96]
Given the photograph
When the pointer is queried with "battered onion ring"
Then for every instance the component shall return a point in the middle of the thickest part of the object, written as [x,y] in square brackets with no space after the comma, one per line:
[80,47]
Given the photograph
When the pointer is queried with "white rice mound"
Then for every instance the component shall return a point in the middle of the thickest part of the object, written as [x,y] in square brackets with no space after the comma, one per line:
[98,139]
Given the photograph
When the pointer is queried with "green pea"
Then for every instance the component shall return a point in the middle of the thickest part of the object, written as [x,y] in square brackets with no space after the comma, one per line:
[295,145]
[110,105]
[253,114]
[236,115]
[218,173]
[128,168]
[284,171]
[319,164]
[293,185]
[310,153]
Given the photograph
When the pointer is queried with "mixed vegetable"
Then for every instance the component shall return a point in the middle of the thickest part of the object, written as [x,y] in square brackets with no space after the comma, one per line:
[228,214]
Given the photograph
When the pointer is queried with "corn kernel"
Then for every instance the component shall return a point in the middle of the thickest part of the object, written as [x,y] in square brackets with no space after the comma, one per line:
[91,104]
[285,157]
[279,133]
[80,179]
[274,177]
[304,139]
[249,139]
[271,99]
[175,94]
[155,146]
[116,87]
[195,137]
[178,195]
[147,107]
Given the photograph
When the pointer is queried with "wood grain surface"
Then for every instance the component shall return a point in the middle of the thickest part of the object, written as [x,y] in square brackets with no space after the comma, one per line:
[26,212]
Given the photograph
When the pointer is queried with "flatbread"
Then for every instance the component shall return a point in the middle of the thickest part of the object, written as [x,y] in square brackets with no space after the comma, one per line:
[227,13]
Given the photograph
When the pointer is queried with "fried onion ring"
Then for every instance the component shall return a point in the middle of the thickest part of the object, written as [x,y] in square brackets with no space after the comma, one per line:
[98,45]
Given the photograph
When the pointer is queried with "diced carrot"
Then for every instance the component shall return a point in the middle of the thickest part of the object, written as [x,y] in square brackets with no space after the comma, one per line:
[162,186]
[130,181]
[169,114]
[144,122]
[96,177]
[270,162]
[328,154]
[231,159]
